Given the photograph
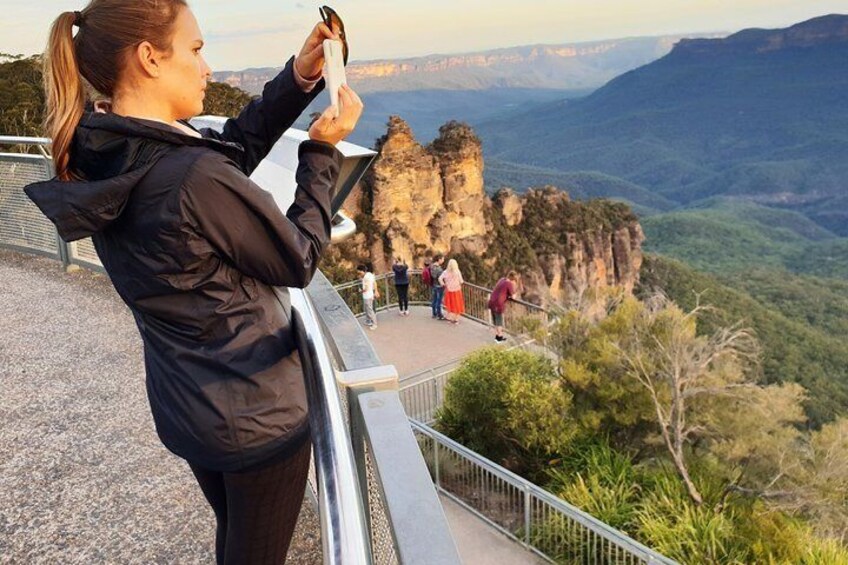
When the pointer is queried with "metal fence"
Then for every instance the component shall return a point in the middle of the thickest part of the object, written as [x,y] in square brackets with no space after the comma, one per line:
[22,225]
[542,522]
[518,317]
[422,398]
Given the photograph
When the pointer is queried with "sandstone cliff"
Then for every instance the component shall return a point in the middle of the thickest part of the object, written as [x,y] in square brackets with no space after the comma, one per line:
[416,201]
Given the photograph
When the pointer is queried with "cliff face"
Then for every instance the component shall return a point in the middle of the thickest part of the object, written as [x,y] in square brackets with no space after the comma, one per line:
[416,201]
[563,248]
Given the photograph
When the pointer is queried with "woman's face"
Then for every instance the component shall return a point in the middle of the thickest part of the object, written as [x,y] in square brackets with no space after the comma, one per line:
[184,73]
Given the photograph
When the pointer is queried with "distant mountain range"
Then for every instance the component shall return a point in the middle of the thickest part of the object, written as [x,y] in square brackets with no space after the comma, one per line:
[571,66]
[474,87]
[761,114]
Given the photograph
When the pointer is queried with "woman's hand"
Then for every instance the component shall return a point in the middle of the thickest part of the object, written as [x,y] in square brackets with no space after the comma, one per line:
[310,62]
[331,129]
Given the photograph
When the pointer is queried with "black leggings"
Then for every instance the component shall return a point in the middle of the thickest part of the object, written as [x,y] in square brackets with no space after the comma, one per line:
[403,297]
[257,510]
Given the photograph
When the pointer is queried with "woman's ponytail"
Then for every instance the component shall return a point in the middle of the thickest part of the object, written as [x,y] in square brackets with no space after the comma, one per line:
[64,89]
[108,32]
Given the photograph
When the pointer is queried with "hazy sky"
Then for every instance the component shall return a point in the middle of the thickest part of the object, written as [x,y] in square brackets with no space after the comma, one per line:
[255,33]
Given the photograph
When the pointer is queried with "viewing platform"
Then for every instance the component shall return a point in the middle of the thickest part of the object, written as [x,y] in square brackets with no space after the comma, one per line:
[86,480]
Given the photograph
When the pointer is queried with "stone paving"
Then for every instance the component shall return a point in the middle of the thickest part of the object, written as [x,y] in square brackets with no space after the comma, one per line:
[417,342]
[83,477]
[479,543]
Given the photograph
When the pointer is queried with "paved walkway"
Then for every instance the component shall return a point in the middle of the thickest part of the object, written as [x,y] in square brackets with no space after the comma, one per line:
[481,544]
[417,342]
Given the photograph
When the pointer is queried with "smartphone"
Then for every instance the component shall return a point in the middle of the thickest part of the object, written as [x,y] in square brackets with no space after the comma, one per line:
[335,71]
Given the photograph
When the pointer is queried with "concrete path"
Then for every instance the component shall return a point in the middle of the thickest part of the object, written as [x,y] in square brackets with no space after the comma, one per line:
[417,342]
[481,544]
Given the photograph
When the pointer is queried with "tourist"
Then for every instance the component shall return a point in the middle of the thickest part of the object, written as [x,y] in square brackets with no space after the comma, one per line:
[504,290]
[196,250]
[369,294]
[438,289]
[427,280]
[401,272]
[451,278]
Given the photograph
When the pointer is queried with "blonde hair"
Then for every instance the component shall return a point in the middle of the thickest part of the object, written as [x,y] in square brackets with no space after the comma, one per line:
[108,31]
[453,266]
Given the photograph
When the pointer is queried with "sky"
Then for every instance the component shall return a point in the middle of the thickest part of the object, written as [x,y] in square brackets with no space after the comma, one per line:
[259,33]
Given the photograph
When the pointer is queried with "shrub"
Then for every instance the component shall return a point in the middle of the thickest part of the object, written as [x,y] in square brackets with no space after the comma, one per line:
[509,406]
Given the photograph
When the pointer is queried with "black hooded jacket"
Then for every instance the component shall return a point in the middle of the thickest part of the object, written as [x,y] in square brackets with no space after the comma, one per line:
[195,250]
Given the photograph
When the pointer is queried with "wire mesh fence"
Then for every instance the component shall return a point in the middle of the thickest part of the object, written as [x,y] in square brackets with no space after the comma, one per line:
[540,521]
[22,225]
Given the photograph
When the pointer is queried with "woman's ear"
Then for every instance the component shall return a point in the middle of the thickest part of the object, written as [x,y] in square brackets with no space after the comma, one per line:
[149,59]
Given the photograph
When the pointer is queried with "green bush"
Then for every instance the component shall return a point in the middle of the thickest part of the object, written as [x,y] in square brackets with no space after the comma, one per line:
[600,481]
[508,405]
[670,523]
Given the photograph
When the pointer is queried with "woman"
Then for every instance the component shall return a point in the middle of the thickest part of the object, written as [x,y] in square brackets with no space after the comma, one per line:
[451,279]
[401,273]
[195,249]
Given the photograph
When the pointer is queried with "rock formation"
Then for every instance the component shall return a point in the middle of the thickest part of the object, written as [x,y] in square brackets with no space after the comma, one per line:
[416,201]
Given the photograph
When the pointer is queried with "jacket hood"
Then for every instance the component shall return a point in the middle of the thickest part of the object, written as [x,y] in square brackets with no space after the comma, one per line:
[112,154]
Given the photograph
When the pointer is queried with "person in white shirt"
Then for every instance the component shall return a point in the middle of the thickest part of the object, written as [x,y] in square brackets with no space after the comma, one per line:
[369,294]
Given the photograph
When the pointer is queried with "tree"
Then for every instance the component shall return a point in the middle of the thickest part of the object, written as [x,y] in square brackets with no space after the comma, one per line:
[224,100]
[606,401]
[681,369]
[820,483]
[21,96]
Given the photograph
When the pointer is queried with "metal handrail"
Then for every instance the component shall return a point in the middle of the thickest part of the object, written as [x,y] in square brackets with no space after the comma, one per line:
[383,443]
[18,140]
[343,228]
[41,142]
[343,523]
[529,305]
[599,528]
[386,276]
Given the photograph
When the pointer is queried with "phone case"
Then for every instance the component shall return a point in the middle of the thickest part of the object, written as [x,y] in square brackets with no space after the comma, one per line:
[335,71]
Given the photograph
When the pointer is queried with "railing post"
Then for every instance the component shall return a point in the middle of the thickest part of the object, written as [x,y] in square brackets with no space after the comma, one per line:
[527,514]
[64,252]
[386,280]
[356,383]
[436,473]
[435,401]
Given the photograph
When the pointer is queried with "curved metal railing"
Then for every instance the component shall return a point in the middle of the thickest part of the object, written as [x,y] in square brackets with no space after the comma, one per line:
[340,503]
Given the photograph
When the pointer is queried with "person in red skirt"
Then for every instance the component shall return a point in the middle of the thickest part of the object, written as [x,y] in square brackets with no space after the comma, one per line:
[452,281]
